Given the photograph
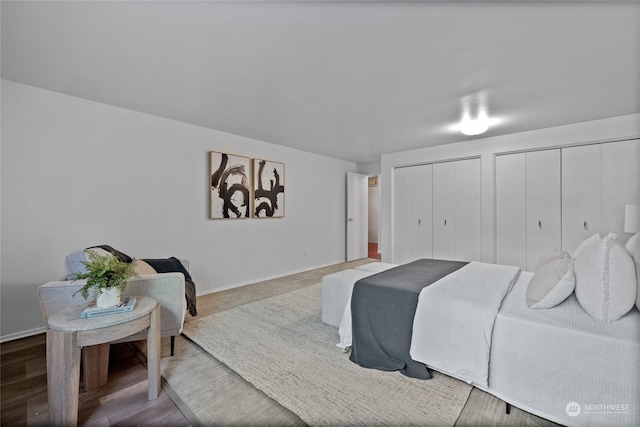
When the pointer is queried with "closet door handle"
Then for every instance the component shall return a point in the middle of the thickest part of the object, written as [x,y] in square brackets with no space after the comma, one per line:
[445,222]
[418,221]
[540,224]
[585,225]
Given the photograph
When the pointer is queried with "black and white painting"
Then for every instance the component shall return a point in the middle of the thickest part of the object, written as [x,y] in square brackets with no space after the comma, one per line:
[268,187]
[230,185]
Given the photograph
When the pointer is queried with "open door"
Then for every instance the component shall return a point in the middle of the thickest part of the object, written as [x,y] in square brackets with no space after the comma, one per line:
[357,216]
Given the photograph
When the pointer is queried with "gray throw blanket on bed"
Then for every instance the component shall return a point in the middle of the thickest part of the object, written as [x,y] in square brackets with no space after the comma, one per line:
[383,307]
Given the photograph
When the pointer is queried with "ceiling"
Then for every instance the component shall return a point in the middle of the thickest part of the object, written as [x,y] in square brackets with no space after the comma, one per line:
[350,80]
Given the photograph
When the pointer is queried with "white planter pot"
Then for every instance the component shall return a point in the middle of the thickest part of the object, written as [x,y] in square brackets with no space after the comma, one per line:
[108,298]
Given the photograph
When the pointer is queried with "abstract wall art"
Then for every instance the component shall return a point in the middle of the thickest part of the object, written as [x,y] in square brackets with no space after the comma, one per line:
[268,188]
[229,185]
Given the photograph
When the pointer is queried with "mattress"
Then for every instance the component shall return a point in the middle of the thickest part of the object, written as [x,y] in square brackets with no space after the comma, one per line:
[563,365]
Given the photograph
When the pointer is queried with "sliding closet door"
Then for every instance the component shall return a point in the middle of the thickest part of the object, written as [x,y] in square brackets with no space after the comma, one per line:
[422,211]
[467,211]
[620,184]
[581,194]
[412,213]
[511,237]
[402,215]
[456,210]
[444,201]
[543,204]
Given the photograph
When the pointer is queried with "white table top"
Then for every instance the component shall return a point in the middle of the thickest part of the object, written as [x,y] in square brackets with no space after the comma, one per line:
[69,318]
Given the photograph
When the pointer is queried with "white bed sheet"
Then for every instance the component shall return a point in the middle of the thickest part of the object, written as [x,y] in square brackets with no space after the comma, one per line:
[543,360]
[547,359]
[454,320]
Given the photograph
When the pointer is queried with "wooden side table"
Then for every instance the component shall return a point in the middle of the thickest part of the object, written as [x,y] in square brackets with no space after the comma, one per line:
[67,333]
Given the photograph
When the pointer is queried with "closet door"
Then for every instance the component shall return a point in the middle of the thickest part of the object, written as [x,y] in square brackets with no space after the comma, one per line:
[581,194]
[444,199]
[467,210]
[511,237]
[543,204]
[620,184]
[422,211]
[402,215]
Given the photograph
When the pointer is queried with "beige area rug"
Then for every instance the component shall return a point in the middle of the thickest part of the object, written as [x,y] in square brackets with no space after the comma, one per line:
[281,346]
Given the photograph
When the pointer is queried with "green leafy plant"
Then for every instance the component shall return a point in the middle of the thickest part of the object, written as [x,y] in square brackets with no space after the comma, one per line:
[103,272]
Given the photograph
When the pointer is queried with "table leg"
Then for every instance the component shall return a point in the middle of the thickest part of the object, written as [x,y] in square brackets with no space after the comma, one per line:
[63,377]
[95,362]
[153,354]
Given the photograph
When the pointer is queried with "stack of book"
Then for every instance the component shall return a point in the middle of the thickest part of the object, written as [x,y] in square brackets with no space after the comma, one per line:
[127,304]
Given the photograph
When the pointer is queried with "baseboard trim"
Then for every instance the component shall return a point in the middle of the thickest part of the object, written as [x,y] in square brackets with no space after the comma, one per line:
[21,334]
[277,276]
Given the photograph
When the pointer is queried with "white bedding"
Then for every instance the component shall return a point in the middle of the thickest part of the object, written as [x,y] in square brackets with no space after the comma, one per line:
[539,360]
[454,320]
[344,330]
[542,360]
[479,288]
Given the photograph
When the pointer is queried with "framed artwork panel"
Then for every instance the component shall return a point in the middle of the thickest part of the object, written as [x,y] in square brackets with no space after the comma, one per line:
[229,186]
[268,189]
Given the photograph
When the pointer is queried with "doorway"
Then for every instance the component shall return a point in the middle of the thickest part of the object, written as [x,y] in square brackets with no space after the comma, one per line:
[373,210]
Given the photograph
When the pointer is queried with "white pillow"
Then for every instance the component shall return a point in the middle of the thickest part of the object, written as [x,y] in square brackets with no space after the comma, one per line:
[606,283]
[633,243]
[590,241]
[633,246]
[551,284]
[636,258]
[551,256]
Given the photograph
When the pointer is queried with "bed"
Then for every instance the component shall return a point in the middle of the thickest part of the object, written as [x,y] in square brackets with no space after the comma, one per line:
[559,363]
[542,361]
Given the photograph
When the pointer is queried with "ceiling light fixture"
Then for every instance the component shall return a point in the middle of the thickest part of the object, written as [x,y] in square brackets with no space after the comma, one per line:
[478,125]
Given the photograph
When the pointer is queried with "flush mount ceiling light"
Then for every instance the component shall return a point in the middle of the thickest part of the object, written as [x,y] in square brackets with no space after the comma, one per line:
[478,123]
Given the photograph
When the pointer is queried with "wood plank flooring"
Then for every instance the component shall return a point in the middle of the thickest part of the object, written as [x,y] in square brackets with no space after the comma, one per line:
[373,251]
[123,400]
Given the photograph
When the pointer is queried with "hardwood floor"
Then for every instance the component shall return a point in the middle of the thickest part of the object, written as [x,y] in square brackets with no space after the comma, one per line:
[373,251]
[123,400]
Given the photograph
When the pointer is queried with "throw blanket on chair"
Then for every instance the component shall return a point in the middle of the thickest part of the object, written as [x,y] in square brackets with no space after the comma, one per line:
[454,320]
[162,265]
[173,265]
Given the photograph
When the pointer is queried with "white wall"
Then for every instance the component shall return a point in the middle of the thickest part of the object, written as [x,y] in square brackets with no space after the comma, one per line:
[486,148]
[77,173]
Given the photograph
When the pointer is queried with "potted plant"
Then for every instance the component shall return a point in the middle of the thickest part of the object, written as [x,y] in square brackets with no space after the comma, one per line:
[106,276]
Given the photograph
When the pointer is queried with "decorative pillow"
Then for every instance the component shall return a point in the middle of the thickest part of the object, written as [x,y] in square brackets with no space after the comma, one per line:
[589,242]
[635,254]
[633,246]
[606,284]
[551,284]
[74,262]
[142,267]
[551,256]
[633,243]
[122,257]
